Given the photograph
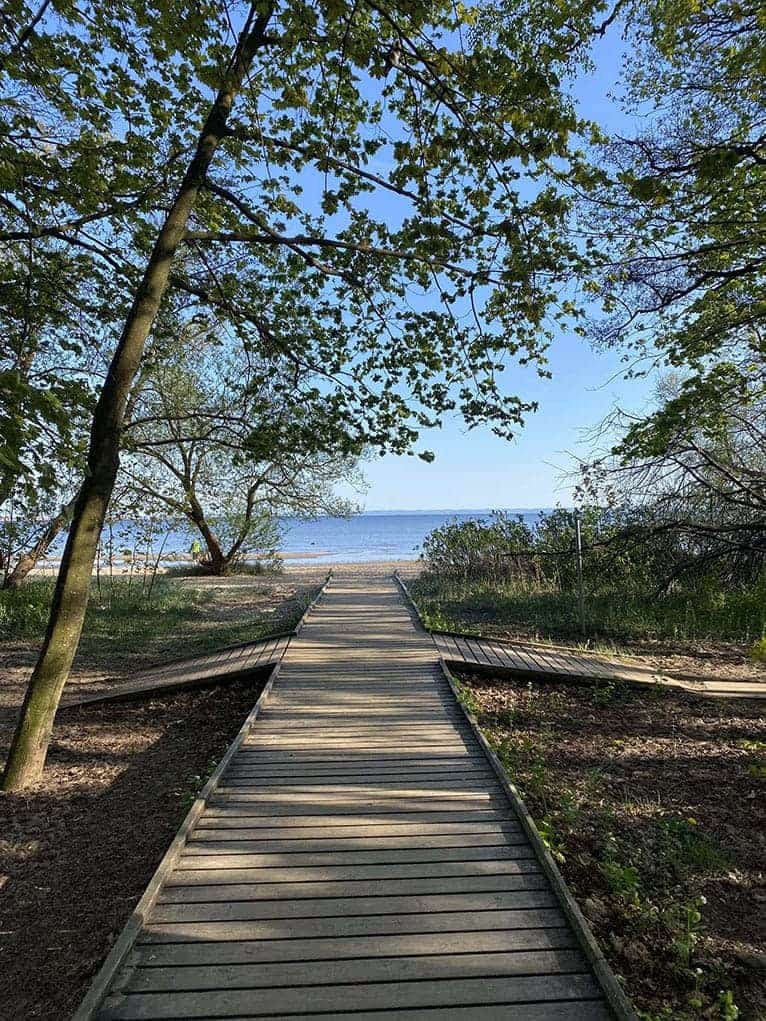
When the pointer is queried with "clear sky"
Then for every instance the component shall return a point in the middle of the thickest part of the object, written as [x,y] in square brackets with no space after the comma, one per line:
[476,469]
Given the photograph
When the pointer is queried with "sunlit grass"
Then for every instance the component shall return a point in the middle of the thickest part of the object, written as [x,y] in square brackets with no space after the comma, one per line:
[174,619]
[705,612]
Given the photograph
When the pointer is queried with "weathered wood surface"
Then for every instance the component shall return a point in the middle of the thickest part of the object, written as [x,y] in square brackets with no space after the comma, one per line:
[559,662]
[226,664]
[549,661]
[358,857]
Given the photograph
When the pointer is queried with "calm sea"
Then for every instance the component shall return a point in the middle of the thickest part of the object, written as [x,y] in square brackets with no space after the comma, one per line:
[375,535]
[371,536]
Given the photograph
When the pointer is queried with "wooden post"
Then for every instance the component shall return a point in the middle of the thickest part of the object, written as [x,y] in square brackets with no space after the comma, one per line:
[580,595]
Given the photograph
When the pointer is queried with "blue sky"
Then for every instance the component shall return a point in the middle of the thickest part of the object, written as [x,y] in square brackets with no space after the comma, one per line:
[478,470]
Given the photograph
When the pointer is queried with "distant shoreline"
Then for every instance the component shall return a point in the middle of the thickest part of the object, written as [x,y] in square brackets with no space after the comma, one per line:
[293,561]
[369,537]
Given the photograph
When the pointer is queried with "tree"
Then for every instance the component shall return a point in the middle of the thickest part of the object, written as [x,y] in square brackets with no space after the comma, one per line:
[390,315]
[684,211]
[697,468]
[196,448]
[683,223]
[25,539]
[45,399]
[27,755]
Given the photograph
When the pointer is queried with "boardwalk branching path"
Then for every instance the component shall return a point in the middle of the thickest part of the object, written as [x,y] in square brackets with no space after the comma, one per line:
[357,856]
[552,662]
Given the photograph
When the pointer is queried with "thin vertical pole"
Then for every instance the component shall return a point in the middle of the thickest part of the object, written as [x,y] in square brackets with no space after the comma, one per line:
[580,595]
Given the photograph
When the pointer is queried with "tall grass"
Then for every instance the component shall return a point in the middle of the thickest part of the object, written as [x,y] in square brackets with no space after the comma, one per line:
[701,612]
[116,609]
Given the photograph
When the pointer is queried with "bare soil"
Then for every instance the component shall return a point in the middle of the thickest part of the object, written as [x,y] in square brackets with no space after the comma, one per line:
[77,851]
[653,802]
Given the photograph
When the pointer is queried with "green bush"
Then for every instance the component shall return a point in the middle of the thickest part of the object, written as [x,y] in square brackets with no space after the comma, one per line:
[498,570]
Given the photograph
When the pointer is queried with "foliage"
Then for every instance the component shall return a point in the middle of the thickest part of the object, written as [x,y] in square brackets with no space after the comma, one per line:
[325,286]
[682,221]
[688,229]
[543,557]
[480,548]
[101,102]
[638,582]
[205,443]
[697,468]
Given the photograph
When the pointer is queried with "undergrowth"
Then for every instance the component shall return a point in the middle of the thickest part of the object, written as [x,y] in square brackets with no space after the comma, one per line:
[638,865]
[704,612]
[176,617]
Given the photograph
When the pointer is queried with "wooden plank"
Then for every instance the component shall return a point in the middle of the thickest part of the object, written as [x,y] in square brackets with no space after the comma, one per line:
[225,819]
[339,774]
[355,831]
[354,907]
[328,757]
[372,996]
[200,893]
[383,872]
[580,1010]
[327,928]
[387,856]
[435,841]
[291,804]
[380,969]
[396,945]
[319,787]
[253,805]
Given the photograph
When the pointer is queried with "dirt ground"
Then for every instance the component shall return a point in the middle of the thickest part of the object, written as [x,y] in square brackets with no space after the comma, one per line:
[77,852]
[654,804]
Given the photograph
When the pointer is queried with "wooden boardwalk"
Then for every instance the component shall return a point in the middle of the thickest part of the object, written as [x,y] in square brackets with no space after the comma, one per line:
[558,662]
[356,857]
[562,663]
[227,664]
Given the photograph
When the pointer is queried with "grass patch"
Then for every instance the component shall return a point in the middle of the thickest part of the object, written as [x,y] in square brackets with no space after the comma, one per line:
[178,619]
[611,616]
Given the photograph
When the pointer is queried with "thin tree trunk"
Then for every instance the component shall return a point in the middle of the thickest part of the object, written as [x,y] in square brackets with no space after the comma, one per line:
[30,743]
[28,560]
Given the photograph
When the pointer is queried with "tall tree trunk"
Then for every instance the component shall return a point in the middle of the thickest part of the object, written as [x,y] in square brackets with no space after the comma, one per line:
[217,561]
[28,560]
[30,742]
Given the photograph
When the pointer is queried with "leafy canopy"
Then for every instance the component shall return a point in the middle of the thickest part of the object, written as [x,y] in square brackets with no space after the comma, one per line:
[388,223]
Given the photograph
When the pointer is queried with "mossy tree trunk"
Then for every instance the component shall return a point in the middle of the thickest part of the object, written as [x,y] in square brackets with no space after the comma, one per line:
[30,743]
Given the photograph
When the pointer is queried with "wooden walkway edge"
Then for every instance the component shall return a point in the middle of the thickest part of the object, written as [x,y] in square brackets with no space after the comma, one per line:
[557,662]
[358,853]
[229,663]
